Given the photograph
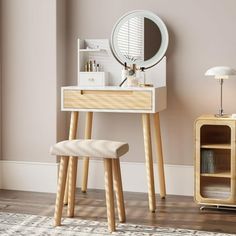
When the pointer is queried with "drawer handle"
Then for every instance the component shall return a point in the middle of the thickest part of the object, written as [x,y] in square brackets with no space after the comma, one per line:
[106,92]
[91,79]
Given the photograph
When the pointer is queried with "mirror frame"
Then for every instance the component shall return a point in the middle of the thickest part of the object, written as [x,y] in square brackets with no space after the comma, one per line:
[164,36]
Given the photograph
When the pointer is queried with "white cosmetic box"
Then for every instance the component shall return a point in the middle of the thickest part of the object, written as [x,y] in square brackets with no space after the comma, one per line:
[93,79]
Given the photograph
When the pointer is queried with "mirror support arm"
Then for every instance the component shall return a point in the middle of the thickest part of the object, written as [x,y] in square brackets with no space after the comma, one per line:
[123,82]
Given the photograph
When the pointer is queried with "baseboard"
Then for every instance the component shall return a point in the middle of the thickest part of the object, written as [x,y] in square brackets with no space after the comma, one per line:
[179,178]
[29,176]
[42,177]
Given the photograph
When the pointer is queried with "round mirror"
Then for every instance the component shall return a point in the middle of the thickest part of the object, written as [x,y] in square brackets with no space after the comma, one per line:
[139,37]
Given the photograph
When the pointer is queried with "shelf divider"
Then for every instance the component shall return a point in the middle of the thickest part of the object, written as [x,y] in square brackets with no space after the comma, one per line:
[216,146]
[220,174]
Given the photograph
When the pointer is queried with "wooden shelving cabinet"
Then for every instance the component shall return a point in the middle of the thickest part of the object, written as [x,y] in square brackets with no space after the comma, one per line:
[215,169]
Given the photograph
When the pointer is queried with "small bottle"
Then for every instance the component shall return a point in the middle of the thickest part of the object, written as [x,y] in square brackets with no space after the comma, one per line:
[94,66]
[132,81]
[142,77]
[138,76]
[86,67]
[89,66]
[98,68]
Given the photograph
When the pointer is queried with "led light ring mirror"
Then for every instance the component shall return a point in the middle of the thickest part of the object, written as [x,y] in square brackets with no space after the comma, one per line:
[142,14]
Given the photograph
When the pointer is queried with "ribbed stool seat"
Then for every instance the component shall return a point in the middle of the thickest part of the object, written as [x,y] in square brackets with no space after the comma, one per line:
[110,151]
[90,148]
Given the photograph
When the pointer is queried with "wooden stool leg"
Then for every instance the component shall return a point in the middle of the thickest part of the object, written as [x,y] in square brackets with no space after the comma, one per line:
[72,174]
[65,200]
[72,135]
[149,161]
[87,135]
[160,163]
[117,181]
[109,194]
[60,190]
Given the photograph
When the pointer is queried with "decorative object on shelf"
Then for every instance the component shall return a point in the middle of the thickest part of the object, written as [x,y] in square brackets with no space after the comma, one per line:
[207,161]
[221,73]
[139,38]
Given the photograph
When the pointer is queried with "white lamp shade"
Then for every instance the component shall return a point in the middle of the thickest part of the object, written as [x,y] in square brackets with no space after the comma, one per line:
[221,72]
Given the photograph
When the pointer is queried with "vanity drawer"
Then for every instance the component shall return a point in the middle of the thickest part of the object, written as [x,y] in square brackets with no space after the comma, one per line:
[92,79]
[107,99]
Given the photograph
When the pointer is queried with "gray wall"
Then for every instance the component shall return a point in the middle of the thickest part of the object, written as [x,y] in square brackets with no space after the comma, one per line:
[202,35]
[0,85]
[62,131]
[31,76]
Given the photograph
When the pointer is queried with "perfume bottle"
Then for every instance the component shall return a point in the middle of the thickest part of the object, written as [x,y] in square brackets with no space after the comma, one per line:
[142,76]
[94,66]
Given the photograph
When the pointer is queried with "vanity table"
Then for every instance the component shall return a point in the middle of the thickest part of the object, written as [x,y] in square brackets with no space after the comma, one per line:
[138,43]
[147,101]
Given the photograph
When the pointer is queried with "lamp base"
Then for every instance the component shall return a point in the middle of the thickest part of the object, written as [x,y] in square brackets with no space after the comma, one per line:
[222,115]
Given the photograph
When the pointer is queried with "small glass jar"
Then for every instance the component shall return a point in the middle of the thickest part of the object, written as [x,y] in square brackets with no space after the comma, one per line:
[132,81]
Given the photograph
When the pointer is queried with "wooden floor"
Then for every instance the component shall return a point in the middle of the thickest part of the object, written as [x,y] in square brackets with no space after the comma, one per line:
[174,211]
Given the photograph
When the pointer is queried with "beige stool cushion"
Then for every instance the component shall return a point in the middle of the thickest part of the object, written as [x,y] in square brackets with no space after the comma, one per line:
[90,148]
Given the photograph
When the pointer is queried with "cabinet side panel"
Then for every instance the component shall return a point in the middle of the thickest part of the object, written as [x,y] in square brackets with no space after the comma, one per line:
[197,162]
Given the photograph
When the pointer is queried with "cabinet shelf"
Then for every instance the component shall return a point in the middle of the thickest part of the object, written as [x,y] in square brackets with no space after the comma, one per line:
[216,146]
[216,190]
[220,174]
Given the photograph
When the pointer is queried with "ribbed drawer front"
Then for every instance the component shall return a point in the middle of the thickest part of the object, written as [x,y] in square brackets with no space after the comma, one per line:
[107,99]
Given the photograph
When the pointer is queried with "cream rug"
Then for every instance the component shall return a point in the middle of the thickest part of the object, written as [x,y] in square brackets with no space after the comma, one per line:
[27,225]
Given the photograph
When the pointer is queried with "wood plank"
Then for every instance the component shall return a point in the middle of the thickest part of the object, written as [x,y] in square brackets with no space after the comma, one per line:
[174,211]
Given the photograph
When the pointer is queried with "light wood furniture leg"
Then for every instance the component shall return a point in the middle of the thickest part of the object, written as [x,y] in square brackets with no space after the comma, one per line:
[160,163]
[118,189]
[149,161]
[60,190]
[72,135]
[109,194]
[87,135]
[72,174]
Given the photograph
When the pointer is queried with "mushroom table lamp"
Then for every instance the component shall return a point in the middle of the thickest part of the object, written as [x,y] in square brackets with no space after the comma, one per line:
[221,73]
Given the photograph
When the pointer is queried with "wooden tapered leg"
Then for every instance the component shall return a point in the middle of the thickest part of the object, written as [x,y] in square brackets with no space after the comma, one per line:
[60,190]
[117,181]
[109,194]
[149,161]
[72,135]
[160,163]
[72,174]
[87,135]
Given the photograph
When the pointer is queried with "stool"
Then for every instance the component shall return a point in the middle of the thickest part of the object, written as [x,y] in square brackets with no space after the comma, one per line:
[110,152]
